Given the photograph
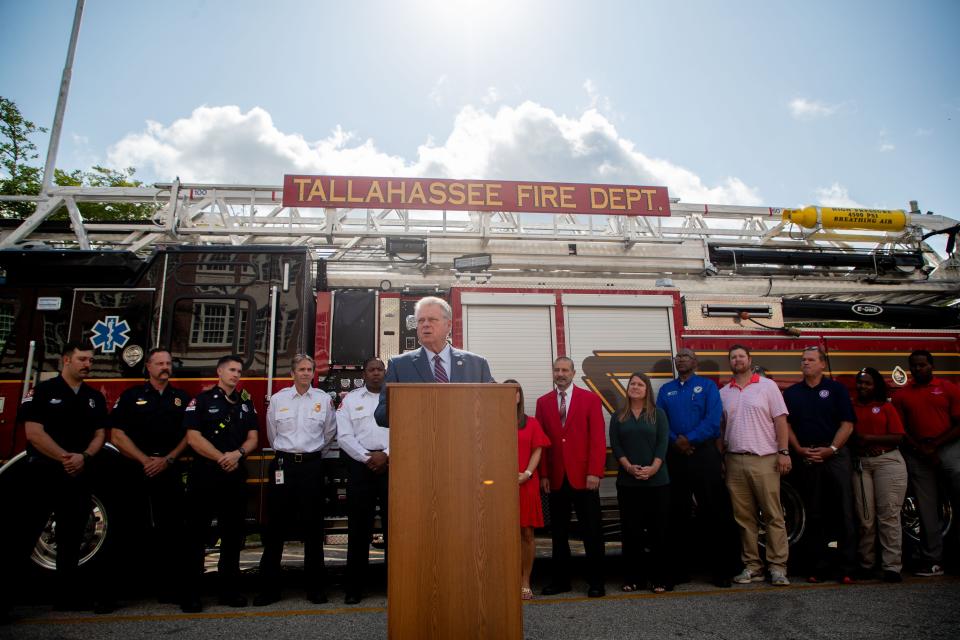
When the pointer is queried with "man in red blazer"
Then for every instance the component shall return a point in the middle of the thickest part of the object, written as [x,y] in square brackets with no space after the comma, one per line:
[570,472]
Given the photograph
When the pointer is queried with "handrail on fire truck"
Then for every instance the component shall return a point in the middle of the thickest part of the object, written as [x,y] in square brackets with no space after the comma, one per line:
[697,241]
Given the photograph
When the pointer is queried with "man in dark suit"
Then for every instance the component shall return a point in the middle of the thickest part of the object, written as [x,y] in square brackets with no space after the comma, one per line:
[435,360]
[570,472]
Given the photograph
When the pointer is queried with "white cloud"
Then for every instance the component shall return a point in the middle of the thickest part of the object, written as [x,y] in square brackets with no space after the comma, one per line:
[836,195]
[885,146]
[437,91]
[803,109]
[597,101]
[491,96]
[526,142]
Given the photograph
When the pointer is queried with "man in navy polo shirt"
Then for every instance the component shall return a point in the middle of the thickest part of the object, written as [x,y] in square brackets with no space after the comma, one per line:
[821,420]
[693,407]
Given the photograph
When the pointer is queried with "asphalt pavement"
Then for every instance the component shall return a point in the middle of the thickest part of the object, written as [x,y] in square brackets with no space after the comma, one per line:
[919,608]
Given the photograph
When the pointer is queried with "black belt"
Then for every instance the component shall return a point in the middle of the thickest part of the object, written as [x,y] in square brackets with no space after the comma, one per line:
[298,457]
[864,454]
[743,453]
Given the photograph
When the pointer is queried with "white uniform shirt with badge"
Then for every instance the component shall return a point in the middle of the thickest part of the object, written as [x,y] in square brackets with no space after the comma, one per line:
[300,423]
[357,431]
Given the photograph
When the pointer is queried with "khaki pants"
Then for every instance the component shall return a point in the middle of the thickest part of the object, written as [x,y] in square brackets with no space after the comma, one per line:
[879,491]
[753,481]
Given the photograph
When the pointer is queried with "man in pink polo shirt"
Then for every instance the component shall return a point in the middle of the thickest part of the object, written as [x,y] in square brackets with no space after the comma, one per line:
[755,437]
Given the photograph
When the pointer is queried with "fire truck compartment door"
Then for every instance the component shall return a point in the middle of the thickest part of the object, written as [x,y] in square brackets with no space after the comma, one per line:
[117,324]
[515,332]
[611,336]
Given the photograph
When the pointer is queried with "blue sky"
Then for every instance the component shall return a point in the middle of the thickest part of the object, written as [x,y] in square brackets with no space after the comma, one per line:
[776,103]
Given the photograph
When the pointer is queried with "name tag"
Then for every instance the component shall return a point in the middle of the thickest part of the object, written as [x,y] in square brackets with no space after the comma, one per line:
[278,476]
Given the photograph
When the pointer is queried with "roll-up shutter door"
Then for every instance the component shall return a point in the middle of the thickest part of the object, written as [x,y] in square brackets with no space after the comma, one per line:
[518,343]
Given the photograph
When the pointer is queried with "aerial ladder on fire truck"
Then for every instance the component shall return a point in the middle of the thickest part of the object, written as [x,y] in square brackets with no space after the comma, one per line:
[717,249]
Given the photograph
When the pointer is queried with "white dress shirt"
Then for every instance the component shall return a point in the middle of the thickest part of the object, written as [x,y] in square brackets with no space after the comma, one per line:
[445,358]
[568,397]
[300,423]
[357,431]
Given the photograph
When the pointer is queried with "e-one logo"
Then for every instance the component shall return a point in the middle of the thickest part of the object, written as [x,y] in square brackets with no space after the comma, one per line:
[867,309]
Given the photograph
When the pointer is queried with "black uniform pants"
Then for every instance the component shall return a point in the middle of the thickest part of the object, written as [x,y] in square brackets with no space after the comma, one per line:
[827,491]
[47,490]
[587,505]
[698,479]
[295,505]
[644,515]
[157,509]
[213,493]
[365,490]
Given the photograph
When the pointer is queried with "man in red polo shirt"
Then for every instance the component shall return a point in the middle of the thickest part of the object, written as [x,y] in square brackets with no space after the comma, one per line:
[931,415]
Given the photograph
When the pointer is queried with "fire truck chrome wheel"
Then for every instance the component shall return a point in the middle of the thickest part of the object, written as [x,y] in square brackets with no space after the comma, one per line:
[94,535]
[910,518]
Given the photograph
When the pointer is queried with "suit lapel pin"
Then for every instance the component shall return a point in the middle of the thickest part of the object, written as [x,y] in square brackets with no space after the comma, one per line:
[459,363]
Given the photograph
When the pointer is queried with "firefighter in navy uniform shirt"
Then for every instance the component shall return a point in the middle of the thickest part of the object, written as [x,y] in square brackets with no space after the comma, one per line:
[65,421]
[147,427]
[222,429]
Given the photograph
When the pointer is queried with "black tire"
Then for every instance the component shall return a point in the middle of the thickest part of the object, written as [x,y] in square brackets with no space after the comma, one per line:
[794,515]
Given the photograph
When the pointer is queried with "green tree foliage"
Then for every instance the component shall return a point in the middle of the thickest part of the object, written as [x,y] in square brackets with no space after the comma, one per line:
[100,176]
[17,177]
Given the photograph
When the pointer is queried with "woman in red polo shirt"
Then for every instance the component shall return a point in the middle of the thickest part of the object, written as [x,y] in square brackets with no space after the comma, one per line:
[880,485]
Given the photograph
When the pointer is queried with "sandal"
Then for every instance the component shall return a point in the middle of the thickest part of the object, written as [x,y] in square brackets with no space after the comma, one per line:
[658,588]
[526,593]
[630,587]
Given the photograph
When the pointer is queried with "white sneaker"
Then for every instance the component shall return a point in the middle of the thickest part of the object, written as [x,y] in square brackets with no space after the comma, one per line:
[779,579]
[746,576]
[929,572]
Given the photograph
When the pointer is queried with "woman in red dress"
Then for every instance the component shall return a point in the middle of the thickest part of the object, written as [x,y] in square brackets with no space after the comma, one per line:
[530,442]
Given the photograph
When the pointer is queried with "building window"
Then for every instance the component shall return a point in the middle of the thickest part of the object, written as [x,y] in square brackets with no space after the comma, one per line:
[212,325]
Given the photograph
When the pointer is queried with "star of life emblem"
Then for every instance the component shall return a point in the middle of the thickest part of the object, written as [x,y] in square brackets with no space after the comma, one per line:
[110,333]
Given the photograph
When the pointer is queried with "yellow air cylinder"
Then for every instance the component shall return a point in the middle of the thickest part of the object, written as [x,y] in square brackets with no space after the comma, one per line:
[837,218]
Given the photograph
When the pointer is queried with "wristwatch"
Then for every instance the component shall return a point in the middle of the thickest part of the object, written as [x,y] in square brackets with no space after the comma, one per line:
[834,449]
[784,452]
[242,451]
[171,460]
[528,473]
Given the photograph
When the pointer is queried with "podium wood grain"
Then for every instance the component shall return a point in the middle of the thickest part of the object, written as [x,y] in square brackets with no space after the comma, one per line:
[454,544]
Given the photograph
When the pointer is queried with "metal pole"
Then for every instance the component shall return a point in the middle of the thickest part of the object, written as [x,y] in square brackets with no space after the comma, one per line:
[61,103]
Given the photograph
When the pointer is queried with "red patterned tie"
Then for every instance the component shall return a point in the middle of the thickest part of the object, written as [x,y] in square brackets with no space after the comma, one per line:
[439,373]
[563,407]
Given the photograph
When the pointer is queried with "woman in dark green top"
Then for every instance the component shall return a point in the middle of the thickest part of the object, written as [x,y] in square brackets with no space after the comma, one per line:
[638,437]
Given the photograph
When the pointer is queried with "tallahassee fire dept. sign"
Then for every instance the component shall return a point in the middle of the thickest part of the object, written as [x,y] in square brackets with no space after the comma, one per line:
[355,192]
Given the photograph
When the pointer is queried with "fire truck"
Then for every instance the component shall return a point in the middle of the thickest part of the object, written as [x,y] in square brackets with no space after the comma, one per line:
[237,269]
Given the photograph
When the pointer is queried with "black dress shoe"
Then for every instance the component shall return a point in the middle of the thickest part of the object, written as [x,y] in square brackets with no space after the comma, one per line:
[234,600]
[553,588]
[723,582]
[71,604]
[191,605]
[101,607]
[892,576]
[317,597]
[352,598]
[596,592]
[266,597]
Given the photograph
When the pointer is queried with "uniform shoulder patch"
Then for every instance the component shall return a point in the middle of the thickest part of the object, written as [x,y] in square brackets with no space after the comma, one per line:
[192,406]
[244,395]
[29,396]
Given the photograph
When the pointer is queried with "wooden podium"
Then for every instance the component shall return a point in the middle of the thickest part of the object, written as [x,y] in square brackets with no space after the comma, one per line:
[454,531]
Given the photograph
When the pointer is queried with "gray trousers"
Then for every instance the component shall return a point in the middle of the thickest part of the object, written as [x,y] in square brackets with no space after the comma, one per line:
[924,482]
